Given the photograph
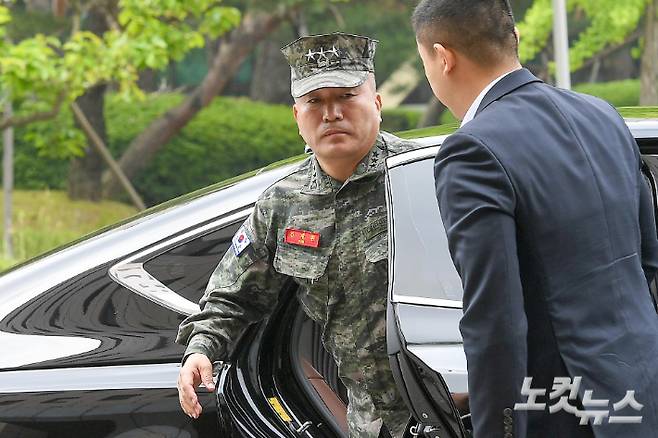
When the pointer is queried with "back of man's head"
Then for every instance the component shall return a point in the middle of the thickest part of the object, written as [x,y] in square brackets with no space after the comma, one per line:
[481,30]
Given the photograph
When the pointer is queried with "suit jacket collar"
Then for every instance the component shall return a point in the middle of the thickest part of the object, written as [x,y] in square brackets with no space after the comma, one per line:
[506,85]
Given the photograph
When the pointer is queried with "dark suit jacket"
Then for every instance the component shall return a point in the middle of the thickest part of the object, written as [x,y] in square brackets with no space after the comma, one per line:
[551,227]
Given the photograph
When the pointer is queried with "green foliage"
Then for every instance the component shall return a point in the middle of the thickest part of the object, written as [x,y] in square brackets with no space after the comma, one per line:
[608,22]
[40,70]
[400,119]
[59,138]
[39,225]
[535,29]
[617,93]
[443,129]
[228,138]
[387,21]
[645,112]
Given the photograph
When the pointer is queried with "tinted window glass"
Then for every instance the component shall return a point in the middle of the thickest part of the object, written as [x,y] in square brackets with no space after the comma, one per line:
[90,306]
[422,266]
[186,268]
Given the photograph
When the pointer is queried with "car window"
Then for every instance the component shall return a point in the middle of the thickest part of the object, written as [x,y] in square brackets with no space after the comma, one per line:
[421,263]
[186,268]
[90,306]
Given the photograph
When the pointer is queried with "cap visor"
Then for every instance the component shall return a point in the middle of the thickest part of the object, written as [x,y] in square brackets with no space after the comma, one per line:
[332,79]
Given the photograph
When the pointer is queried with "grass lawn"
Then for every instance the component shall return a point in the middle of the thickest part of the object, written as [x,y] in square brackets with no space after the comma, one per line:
[43,220]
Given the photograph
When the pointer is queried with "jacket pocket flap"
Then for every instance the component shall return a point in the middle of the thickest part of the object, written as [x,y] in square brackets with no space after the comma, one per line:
[300,262]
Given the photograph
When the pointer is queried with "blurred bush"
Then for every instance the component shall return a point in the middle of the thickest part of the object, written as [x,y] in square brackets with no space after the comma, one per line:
[228,138]
[399,119]
[617,93]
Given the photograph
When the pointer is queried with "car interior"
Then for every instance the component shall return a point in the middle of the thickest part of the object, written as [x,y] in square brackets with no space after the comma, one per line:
[317,371]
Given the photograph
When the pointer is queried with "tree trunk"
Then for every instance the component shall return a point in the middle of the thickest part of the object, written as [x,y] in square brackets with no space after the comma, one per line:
[101,149]
[432,113]
[233,50]
[271,79]
[649,69]
[147,81]
[402,82]
[85,173]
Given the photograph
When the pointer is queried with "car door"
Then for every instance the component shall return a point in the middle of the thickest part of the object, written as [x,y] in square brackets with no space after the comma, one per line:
[425,292]
[112,366]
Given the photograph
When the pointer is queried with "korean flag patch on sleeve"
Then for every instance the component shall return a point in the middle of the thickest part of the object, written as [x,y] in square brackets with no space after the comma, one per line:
[240,241]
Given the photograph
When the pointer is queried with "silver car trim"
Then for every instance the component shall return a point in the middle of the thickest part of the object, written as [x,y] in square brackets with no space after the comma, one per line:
[150,376]
[130,273]
[416,154]
[424,301]
[642,128]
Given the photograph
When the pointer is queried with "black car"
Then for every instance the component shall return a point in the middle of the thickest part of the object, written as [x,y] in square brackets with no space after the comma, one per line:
[87,331]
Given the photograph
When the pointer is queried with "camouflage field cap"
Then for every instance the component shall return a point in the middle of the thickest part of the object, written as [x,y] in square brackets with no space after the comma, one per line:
[331,60]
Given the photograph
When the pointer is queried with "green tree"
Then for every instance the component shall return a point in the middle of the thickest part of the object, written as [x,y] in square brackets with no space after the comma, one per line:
[260,19]
[43,74]
[609,23]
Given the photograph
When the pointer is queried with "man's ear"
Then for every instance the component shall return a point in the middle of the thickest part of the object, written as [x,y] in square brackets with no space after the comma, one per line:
[446,57]
[518,35]
[295,114]
[378,102]
[295,111]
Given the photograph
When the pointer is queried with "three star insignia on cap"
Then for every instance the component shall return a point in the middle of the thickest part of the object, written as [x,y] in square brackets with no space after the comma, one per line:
[322,53]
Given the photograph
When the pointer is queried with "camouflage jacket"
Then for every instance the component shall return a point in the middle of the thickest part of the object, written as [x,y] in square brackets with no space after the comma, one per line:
[342,281]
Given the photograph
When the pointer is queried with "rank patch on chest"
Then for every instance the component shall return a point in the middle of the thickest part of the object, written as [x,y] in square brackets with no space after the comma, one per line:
[240,241]
[302,238]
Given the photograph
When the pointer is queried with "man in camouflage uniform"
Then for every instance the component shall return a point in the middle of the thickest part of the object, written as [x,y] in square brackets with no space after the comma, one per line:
[324,225]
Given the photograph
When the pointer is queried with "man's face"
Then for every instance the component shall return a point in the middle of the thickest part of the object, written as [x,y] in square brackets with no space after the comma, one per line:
[339,123]
[434,66]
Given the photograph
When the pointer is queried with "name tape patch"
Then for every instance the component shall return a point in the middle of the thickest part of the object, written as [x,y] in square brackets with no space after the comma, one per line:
[302,238]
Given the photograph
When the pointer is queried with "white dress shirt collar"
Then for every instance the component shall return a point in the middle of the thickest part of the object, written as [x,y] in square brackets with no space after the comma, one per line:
[478,100]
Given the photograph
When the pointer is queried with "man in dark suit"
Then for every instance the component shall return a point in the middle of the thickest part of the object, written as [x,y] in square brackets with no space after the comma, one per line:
[551,227]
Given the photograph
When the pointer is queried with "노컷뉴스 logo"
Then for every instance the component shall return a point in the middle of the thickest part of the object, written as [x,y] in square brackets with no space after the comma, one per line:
[565,390]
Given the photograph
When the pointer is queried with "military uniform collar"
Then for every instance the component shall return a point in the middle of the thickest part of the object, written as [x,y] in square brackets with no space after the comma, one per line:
[319,183]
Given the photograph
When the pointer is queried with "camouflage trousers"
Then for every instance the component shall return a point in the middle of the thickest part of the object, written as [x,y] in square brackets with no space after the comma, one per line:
[362,420]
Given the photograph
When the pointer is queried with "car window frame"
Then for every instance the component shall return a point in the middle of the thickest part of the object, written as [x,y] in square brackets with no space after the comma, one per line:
[131,274]
[429,150]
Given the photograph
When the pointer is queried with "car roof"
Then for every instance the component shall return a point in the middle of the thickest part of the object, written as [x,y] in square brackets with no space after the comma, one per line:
[643,121]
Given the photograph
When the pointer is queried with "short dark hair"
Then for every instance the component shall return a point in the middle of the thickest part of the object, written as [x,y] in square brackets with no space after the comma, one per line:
[482,30]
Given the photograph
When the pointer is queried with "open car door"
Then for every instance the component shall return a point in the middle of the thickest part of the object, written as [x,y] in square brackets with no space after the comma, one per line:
[424,302]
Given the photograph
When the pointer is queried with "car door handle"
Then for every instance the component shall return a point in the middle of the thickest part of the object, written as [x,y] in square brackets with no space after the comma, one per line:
[134,277]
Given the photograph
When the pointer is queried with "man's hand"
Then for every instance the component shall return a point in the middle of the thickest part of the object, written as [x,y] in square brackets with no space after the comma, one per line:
[461,401]
[196,369]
